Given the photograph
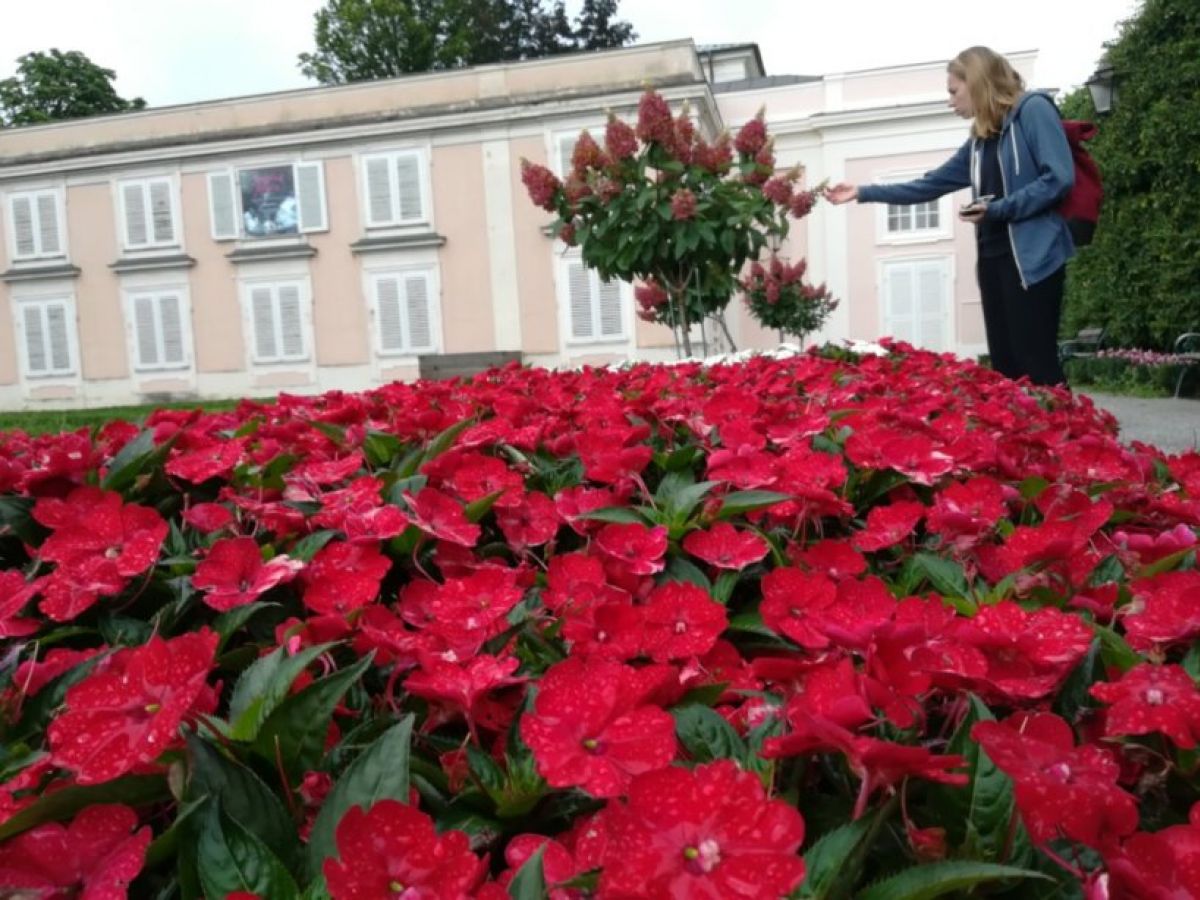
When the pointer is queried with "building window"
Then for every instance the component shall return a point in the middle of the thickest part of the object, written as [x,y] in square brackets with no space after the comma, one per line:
[914,218]
[394,189]
[148,214]
[277,322]
[267,201]
[35,225]
[916,301]
[159,333]
[46,328]
[404,313]
[595,308]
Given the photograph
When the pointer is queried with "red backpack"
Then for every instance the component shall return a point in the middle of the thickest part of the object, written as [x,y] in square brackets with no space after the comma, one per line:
[1081,206]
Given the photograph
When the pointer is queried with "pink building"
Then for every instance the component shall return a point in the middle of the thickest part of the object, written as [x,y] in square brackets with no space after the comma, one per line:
[341,237]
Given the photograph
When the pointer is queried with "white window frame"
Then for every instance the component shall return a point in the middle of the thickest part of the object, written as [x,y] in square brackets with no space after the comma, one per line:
[942,232]
[302,284]
[156,293]
[563,296]
[947,317]
[371,279]
[233,173]
[32,196]
[391,156]
[50,375]
[145,185]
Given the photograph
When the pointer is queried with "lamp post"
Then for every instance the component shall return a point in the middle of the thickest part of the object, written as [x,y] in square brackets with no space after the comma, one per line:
[1103,88]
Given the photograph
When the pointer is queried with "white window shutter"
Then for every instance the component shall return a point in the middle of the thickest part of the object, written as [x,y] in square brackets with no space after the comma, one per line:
[416,297]
[162,220]
[929,312]
[579,301]
[291,327]
[566,150]
[310,196]
[47,213]
[609,293]
[262,312]
[35,338]
[389,322]
[134,201]
[22,216]
[222,206]
[60,344]
[145,331]
[900,301]
[171,327]
[408,181]
[377,174]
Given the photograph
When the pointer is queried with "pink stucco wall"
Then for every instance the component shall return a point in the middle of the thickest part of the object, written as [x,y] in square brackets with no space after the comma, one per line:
[216,314]
[8,337]
[535,260]
[467,319]
[92,244]
[340,326]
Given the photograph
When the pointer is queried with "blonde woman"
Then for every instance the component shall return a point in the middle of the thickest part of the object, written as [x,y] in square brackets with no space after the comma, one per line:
[1019,168]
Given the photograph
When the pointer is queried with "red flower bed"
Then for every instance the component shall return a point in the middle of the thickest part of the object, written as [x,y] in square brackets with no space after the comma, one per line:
[813,627]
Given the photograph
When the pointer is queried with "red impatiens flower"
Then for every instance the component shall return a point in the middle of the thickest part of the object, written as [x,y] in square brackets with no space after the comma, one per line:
[234,574]
[706,834]
[1061,790]
[15,593]
[591,728]
[1163,865]
[530,522]
[836,558]
[92,523]
[208,517]
[889,525]
[94,858]
[962,512]
[1151,698]
[358,511]
[793,602]
[343,577]
[681,620]
[440,515]
[1165,609]
[725,547]
[632,548]
[393,850]
[213,460]
[33,675]
[458,688]
[75,586]
[127,713]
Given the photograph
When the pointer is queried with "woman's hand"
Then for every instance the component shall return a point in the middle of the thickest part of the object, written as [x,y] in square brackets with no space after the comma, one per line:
[841,193]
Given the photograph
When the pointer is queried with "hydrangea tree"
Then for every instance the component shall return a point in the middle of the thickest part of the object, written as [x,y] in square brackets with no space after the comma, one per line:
[661,205]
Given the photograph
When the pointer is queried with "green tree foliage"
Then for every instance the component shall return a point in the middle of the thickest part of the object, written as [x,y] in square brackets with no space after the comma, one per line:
[52,86]
[358,40]
[1141,275]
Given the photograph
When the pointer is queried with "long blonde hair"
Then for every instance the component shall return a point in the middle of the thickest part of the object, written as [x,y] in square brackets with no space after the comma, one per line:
[993,84]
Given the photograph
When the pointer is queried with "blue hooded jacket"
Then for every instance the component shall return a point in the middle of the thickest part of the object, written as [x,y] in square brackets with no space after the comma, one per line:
[1037,170]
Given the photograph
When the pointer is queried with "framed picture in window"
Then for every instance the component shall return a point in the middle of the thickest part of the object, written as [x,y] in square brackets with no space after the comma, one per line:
[269,205]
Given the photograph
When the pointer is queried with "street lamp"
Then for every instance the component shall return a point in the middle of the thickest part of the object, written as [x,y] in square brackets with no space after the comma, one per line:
[1103,88]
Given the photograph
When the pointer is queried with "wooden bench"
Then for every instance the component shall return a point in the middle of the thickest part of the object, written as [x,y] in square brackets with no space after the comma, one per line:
[442,366]
[1187,346]
[1086,343]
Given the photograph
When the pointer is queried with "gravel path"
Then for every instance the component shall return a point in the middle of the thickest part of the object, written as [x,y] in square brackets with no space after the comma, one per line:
[1173,425]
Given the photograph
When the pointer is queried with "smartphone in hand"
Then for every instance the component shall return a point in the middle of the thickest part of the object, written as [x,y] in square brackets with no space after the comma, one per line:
[976,203]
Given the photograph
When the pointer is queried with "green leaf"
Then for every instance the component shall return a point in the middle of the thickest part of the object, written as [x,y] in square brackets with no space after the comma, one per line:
[738,502]
[16,516]
[308,546]
[707,735]
[379,773]
[979,815]
[1166,564]
[230,858]
[243,796]
[380,447]
[477,509]
[935,879]
[530,880]
[946,575]
[1074,699]
[723,589]
[295,731]
[132,790]
[264,685]
[621,515]
[1114,651]
[825,862]
[165,847]
[229,622]
[680,569]
[130,462]
[445,440]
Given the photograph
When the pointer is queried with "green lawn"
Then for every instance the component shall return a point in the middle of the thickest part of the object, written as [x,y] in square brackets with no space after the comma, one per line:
[54,421]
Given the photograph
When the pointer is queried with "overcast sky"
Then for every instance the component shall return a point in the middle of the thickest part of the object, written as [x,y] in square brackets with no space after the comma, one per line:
[180,51]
